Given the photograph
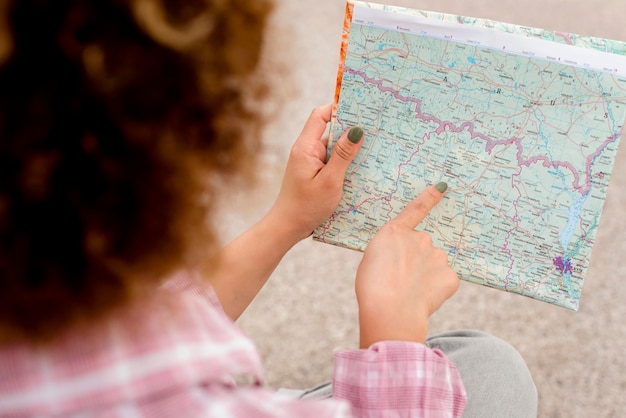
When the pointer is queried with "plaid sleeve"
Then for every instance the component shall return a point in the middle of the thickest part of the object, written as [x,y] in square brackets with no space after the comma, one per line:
[399,378]
[242,402]
[184,281]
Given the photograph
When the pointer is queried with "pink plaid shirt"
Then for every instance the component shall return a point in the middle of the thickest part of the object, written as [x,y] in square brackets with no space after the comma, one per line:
[179,355]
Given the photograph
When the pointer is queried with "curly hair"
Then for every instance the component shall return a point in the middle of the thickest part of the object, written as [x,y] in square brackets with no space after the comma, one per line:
[116,116]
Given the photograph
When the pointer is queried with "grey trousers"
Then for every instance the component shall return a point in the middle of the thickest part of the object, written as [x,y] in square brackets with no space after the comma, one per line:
[496,378]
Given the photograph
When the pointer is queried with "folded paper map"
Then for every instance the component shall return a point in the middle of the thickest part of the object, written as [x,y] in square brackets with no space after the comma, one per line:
[522,123]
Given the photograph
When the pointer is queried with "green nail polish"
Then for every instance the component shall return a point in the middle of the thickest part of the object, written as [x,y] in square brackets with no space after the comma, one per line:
[441,186]
[355,134]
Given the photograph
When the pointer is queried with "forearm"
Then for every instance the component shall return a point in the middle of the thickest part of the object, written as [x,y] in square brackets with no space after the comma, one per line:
[247,262]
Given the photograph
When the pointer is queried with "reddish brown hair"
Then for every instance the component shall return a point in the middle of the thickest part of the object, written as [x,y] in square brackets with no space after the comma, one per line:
[115,117]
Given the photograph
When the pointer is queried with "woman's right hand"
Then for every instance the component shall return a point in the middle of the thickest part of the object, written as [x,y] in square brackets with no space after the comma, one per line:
[403,278]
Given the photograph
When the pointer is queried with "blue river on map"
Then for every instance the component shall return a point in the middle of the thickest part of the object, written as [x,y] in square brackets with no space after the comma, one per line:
[573,219]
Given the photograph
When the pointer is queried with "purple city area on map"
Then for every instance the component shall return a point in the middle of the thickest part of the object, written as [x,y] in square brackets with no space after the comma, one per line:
[563,265]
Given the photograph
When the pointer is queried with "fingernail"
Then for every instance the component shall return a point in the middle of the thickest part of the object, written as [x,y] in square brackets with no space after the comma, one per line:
[355,134]
[441,186]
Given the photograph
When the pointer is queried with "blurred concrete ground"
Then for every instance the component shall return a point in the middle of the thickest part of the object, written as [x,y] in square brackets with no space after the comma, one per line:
[307,310]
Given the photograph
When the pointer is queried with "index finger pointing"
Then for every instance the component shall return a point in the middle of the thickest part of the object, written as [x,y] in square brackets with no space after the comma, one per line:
[415,212]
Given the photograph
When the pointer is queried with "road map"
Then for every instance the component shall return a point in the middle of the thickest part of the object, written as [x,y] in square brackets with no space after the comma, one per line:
[523,124]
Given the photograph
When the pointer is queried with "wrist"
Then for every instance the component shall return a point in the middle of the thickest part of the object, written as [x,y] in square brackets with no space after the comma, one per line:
[378,325]
[289,224]
[284,230]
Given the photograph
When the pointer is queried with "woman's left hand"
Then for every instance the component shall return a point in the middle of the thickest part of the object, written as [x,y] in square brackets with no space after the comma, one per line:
[312,187]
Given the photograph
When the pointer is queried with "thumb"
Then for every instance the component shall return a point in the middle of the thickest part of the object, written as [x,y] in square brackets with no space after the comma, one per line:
[346,148]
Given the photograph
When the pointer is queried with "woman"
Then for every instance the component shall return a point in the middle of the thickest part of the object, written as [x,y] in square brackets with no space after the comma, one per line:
[118,121]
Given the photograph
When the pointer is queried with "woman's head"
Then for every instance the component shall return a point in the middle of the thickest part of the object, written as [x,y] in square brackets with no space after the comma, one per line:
[114,117]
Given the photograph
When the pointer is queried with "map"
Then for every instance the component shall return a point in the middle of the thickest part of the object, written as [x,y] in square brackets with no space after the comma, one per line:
[523,126]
